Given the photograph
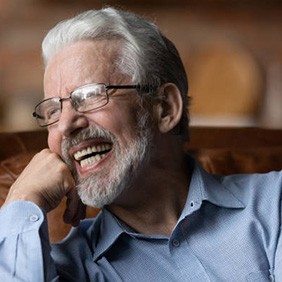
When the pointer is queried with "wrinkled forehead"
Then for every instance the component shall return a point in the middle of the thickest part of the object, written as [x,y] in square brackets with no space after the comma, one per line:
[81,63]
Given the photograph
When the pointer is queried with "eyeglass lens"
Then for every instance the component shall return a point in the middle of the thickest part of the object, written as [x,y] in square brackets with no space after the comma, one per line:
[83,99]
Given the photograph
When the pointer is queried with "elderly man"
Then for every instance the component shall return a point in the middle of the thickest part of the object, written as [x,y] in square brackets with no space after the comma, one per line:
[116,111]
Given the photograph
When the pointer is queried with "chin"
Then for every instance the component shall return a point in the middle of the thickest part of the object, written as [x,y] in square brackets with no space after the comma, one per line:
[100,194]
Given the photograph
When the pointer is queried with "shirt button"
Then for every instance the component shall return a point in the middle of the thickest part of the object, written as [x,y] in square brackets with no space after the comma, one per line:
[175,243]
[192,204]
[33,218]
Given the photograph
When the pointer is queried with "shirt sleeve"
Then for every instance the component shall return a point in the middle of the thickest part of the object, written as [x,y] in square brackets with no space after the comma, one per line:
[24,244]
[278,254]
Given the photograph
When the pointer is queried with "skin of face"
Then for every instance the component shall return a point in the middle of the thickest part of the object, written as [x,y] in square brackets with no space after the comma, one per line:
[92,62]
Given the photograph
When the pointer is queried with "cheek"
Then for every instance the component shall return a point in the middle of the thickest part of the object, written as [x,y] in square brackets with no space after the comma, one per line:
[54,142]
[122,123]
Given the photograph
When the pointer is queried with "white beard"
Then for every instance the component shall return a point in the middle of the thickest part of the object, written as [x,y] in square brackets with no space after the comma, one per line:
[102,188]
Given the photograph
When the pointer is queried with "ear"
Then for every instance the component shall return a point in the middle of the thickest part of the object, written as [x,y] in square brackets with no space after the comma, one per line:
[169,110]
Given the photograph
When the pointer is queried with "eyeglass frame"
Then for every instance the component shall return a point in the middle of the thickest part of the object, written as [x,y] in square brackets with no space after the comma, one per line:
[138,87]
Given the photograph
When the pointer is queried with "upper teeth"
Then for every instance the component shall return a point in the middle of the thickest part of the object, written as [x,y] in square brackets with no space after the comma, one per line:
[90,150]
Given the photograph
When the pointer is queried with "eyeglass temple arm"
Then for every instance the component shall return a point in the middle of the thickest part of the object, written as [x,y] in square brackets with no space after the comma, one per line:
[145,88]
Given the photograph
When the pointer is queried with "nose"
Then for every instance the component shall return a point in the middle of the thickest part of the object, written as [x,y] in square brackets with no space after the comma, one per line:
[70,120]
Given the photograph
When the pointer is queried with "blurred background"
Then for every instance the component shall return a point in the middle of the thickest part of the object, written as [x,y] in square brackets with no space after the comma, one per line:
[232,51]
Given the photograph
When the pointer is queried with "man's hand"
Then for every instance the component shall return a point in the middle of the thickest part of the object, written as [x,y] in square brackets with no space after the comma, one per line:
[45,181]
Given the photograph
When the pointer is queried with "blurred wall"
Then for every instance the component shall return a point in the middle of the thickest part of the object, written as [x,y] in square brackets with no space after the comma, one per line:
[232,51]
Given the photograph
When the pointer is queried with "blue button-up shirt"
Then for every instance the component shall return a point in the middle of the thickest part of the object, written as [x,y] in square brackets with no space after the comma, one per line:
[229,230]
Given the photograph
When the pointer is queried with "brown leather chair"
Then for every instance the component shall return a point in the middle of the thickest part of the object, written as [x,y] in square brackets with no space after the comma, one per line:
[219,150]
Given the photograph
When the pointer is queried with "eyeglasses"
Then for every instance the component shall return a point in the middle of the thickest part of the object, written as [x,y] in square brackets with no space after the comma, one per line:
[84,99]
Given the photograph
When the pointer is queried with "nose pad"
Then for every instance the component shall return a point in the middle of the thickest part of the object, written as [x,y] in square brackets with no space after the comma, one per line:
[71,120]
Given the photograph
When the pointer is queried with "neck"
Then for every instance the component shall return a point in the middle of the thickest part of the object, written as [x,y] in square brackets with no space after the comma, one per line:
[153,204]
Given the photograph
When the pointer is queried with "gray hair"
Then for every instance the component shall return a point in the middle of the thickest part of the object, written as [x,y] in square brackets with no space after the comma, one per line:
[146,56]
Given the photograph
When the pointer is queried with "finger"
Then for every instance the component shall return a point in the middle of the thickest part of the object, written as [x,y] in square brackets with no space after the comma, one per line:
[81,214]
[75,210]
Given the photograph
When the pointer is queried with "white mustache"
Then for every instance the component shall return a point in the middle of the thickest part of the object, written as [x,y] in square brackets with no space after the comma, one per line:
[87,133]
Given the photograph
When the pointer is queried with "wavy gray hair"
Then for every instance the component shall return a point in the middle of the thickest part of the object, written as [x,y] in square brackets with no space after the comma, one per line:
[146,56]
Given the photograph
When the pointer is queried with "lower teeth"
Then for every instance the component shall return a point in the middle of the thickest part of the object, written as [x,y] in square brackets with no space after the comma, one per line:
[91,160]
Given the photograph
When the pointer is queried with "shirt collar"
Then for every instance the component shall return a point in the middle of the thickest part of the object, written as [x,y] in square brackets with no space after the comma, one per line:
[111,229]
[211,188]
[203,187]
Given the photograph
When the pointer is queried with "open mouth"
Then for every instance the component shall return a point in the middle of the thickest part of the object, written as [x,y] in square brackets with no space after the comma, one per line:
[93,154]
